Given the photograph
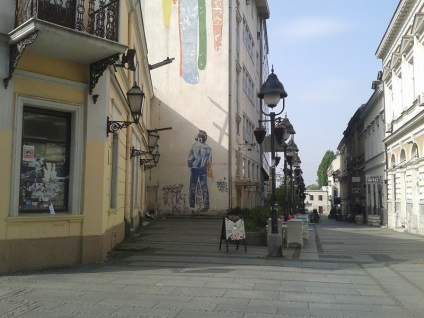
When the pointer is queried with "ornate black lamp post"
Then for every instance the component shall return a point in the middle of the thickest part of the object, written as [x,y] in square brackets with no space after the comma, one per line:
[271,92]
[289,147]
[290,151]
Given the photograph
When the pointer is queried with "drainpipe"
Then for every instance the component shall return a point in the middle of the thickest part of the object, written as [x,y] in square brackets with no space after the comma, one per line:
[128,172]
[386,172]
[230,108]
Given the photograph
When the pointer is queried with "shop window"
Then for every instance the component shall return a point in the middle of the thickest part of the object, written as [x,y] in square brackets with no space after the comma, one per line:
[44,173]
[47,157]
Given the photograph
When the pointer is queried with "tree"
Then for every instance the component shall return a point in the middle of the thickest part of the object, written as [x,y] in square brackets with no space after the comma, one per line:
[313,187]
[326,161]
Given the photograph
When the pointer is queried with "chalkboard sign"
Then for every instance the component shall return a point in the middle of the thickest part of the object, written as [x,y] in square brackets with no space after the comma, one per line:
[233,230]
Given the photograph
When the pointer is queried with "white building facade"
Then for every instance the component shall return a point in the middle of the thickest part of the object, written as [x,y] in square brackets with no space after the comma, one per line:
[333,173]
[317,200]
[210,161]
[402,53]
[375,155]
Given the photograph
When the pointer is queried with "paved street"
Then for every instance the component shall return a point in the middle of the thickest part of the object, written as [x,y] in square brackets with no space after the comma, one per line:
[173,268]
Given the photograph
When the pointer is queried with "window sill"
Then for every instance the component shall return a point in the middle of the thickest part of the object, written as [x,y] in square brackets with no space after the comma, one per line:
[23,218]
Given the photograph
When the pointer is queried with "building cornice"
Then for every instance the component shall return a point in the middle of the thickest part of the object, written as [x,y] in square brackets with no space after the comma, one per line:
[395,25]
[416,121]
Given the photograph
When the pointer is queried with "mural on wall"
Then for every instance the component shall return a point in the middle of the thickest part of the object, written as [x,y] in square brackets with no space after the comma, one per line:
[174,198]
[192,23]
[200,164]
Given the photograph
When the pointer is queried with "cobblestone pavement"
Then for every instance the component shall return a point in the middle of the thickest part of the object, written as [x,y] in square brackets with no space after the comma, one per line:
[174,268]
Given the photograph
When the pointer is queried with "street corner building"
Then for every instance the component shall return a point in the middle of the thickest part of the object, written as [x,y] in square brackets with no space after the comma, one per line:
[71,186]
[88,89]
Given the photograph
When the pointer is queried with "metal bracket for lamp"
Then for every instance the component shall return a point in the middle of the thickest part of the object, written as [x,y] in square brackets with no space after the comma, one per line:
[114,126]
[144,161]
[155,155]
[135,98]
[136,153]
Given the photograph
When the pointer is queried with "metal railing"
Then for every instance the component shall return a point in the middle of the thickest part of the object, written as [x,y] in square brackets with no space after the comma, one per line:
[101,16]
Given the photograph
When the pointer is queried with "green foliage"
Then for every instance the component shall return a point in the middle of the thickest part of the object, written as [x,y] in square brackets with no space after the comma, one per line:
[313,187]
[281,194]
[326,161]
[255,219]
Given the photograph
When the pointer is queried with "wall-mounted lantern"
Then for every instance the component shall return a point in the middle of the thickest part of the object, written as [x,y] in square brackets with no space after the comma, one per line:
[135,98]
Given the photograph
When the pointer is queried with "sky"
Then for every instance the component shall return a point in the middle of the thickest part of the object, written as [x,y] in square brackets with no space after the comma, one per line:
[323,51]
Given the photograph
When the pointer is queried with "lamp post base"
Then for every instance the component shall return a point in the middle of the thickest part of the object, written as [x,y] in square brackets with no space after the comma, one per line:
[275,245]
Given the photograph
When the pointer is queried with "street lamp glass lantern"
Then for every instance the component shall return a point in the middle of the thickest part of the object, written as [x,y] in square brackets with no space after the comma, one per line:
[289,127]
[290,152]
[272,99]
[153,139]
[279,131]
[135,100]
[293,147]
[272,90]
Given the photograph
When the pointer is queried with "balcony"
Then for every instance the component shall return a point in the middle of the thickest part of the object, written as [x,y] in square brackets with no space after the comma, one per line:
[69,29]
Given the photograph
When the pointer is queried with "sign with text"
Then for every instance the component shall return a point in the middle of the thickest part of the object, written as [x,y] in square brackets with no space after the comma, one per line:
[374,179]
[356,179]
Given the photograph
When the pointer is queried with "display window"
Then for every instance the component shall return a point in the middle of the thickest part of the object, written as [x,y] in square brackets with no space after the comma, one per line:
[45,161]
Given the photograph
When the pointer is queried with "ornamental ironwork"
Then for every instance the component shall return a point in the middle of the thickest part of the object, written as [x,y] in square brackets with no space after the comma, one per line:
[114,126]
[16,51]
[97,69]
[102,16]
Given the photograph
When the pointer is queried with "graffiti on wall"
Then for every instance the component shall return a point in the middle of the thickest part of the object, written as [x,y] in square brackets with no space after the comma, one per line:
[222,186]
[200,164]
[192,22]
[174,198]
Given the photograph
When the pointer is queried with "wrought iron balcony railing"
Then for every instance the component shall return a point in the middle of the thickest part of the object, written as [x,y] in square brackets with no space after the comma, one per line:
[101,16]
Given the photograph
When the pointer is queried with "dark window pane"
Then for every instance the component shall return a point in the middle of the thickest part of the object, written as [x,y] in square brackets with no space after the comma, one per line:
[45,126]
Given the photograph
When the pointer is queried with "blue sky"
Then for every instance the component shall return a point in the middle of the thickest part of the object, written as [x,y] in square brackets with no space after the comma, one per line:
[323,51]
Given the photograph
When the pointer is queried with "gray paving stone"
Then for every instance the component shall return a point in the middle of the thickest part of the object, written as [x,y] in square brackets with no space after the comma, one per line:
[180,305]
[252,294]
[206,314]
[216,292]
[364,300]
[250,308]
[279,303]
[177,278]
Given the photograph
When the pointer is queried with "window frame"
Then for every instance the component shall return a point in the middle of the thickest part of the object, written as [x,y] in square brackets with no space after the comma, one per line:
[39,142]
[76,151]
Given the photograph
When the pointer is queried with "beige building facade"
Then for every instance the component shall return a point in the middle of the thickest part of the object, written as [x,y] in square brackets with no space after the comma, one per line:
[71,190]
[210,161]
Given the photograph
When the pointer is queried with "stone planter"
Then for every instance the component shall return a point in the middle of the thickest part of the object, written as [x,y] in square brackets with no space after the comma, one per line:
[374,220]
[256,238]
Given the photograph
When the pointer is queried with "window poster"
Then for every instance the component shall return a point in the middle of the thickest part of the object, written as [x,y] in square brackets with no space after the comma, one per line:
[44,177]
[28,153]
